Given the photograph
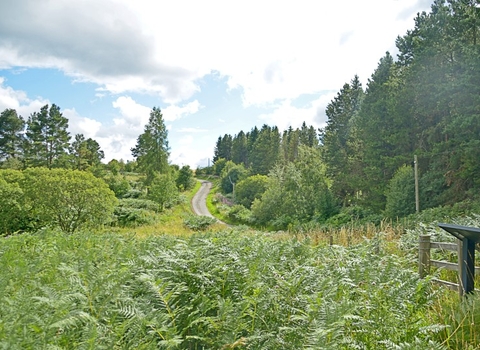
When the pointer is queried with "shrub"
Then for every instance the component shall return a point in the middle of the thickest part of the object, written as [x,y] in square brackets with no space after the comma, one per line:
[249,189]
[231,174]
[163,191]
[135,203]
[13,214]
[134,193]
[185,180]
[69,199]
[199,223]
[401,194]
[132,217]
[240,214]
[119,185]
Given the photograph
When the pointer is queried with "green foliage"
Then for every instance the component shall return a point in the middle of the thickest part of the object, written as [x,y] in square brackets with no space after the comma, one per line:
[240,149]
[463,319]
[354,214]
[340,150]
[185,180]
[102,290]
[151,151]
[132,212]
[69,199]
[13,214]
[163,191]
[297,192]
[249,189]
[223,148]
[12,163]
[231,174]
[238,213]
[401,193]
[85,153]
[219,165]
[134,193]
[47,138]
[140,204]
[119,185]
[265,151]
[205,171]
[11,137]
[199,222]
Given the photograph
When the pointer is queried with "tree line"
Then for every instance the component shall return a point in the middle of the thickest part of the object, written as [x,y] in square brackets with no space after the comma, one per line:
[426,102]
[43,141]
[260,149]
[47,181]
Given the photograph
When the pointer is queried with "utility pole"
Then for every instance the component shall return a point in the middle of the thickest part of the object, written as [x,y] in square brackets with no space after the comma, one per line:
[417,199]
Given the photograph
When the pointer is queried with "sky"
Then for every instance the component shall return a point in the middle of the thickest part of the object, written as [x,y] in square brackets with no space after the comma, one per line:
[212,67]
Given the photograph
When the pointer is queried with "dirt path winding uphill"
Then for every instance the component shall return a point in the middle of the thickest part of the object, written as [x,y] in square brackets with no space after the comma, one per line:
[199,201]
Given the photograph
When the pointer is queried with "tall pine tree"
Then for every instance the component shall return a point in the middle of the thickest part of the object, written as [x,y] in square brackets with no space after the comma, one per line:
[339,152]
[151,151]
[47,138]
[11,134]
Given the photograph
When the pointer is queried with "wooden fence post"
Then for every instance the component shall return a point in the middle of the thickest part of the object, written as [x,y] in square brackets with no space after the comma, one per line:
[459,270]
[424,255]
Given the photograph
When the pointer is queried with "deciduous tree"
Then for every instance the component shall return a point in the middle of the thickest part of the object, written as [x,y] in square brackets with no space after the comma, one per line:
[69,199]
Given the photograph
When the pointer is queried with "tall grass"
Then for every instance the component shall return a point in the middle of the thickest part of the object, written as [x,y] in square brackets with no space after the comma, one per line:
[209,291]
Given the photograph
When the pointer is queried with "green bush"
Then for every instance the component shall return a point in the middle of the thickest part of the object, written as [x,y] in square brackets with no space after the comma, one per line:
[185,180]
[249,189]
[132,212]
[69,199]
[132,217]
[163,191]
[135,203]
[231,174]
[401,194]
[13,213]
[238,213]
[134,194]
[354,214]
[119,185]
[199,223]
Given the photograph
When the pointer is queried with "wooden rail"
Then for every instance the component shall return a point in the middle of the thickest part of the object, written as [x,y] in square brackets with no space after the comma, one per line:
[425,262]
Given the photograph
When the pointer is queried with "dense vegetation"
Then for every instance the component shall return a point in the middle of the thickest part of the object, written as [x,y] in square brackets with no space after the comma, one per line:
[47,182]
[109,256]
[214,291]
[424,103]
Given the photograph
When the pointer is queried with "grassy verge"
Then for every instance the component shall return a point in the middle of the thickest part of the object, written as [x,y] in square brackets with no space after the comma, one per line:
[170,221]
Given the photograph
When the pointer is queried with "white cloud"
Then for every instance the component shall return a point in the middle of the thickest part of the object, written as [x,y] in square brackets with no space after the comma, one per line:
[286,115]
[186,140]
[18,100]
[271,50]
[132,113]
[81,125]
[191,130]
[174,112]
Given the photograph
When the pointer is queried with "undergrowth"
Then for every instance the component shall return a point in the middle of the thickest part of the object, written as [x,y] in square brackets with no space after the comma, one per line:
[210,291]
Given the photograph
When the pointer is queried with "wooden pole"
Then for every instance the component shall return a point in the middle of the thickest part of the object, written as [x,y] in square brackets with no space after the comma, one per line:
[417,199]
[423,255]
[460,263]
